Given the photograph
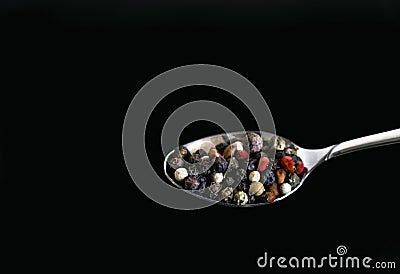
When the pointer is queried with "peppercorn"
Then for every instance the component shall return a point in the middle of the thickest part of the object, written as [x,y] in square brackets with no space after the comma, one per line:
[221,148]
[256,188]
[254,176]
[241,198]
[280,175]
[180,174]
[285,188]
[220,165]
[255,142]
[262,165]
[191,182]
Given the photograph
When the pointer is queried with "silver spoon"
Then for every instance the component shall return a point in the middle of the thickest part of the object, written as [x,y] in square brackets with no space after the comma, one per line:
[310,157]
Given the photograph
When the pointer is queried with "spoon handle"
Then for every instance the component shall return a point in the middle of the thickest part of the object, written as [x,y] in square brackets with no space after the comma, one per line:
[379,139]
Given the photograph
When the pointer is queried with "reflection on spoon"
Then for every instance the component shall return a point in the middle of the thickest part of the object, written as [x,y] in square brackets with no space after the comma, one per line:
[248,169]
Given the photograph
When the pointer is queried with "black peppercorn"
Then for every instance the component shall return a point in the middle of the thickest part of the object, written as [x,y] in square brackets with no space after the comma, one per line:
[270,178]
[252,165]
[221,148]
[201,152]
[186,155]
[243,186]
[220,165]
[295,159]
[191,182]
[252,199]
[255,155]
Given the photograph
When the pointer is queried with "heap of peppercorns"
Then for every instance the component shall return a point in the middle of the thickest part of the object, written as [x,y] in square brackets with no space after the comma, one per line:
[258,172]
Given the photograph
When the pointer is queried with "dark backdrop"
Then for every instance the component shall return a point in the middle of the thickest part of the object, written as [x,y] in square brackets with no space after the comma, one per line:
[326,70]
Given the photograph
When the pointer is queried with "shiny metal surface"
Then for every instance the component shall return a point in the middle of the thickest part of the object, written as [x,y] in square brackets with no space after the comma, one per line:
[312,158]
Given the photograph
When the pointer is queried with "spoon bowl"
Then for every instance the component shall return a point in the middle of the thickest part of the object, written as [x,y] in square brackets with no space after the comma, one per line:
[310,157]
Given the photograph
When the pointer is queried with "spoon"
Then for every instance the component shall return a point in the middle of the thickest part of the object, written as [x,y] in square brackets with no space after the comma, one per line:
[311,158]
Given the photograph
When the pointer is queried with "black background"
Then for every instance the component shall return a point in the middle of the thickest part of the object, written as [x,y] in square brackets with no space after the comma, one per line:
[327,71]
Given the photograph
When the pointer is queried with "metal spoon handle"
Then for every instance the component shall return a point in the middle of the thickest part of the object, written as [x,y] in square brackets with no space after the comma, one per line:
[379,139]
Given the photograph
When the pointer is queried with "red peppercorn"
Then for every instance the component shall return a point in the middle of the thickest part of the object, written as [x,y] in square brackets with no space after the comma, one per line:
[288,164]
[243,154]
[300,167]
[274,189]
[262,165]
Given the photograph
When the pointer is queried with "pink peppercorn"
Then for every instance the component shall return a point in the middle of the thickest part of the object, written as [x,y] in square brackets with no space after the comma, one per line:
[288,164]
[300,167]
[262,165]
